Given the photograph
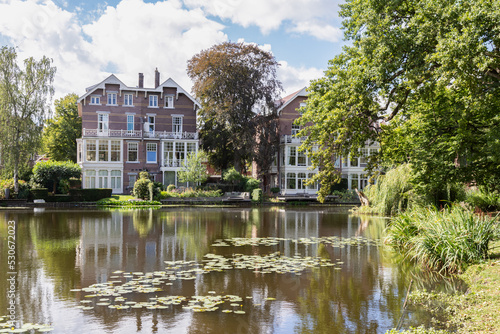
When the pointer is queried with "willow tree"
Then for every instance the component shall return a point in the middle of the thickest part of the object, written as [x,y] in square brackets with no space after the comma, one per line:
[422,78]
[24,95]
[233,82]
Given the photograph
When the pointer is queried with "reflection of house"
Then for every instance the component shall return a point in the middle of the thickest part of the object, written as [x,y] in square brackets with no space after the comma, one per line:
[129,129]
[292,168]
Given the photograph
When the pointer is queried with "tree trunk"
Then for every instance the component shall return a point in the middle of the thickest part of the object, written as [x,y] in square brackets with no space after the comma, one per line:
[16,179]
[362,198]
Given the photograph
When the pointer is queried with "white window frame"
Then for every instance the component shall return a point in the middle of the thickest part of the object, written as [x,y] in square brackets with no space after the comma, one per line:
[102,123]
[169,102]
[112,99]
[112,144]
[295,129]
[128,100]
[136,144]
[94,99]
[130,120]
[148,146]
[177,127]
[151,127]
[153,101]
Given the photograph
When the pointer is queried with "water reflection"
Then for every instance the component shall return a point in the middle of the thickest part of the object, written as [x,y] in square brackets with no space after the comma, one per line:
[62,250]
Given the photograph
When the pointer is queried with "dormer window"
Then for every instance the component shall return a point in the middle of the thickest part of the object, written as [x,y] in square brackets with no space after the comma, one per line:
[95,100]
[169,101]
[153,101]
[112,99]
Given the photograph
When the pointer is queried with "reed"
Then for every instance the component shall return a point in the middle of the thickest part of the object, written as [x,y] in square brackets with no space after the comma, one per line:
[447,240]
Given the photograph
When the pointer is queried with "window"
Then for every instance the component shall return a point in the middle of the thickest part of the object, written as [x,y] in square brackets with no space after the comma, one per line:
[354,181]
[103,179]
[363,181]
[103,150]
[191,148]
[301,159]
[302,104]
[292,156]
[153,101]
[151,122]
[169,101]
[91,150]
[301,181]
[295,129]
[179,153]
[131,180]
[79,150]
[150,152]
[128,99]
[115,150]
[314,185]
[89,179]
[95,100]
[102,123]
[363,159]
[290,180]
[116,179]
[176,124]
[132,151]
[112,98]
[354,162]
[130,123]
[168,154]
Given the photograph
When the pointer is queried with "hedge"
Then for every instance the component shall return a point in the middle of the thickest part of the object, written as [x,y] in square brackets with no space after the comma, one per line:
[89,195]
[40,193]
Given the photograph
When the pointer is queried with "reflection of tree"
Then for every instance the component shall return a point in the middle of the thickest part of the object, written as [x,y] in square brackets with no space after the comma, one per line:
[142,221]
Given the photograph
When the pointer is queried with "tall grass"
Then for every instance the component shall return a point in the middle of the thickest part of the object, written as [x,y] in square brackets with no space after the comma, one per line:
[446,240]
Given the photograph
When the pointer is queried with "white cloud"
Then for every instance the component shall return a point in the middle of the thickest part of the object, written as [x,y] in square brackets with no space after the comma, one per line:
[133,37]
[295,78]
[305,16]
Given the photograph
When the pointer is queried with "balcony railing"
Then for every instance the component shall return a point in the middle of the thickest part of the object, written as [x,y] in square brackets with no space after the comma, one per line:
[288,139]
[138,134]
[112,133]
[172,163]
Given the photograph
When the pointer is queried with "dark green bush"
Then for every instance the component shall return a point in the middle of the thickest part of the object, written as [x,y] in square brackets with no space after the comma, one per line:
[40,193]
[275,190]
[58,198]
[89,195]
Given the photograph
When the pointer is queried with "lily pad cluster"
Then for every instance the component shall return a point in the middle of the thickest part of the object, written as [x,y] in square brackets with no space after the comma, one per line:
[5,327]
[334,241]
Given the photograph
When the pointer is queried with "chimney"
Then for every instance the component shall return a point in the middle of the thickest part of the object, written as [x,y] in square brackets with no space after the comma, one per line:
[157,78]
[141,80]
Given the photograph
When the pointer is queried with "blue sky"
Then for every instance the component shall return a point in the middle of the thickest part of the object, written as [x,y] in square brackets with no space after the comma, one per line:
[89,40]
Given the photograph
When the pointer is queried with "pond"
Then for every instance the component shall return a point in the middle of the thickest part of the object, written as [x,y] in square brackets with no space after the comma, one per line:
[206,270]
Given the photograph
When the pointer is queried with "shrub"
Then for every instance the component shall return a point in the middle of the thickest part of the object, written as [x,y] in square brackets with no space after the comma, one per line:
[170,187]
[446,240]
[275,190]
[483,199]
[50,173]
[89,195]
[9,184]
[40,193]
[141,186]
[251,184]
[257,195]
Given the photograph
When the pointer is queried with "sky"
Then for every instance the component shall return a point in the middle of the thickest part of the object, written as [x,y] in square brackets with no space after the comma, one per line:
[89,40]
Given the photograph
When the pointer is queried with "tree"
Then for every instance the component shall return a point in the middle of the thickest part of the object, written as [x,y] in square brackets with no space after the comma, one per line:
[61,132]
[421,78]
[23,108]
[53,172]
[233,81]
[193,169]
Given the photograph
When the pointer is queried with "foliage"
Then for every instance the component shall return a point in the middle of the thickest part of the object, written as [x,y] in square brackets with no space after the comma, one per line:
[23,108]
[9,184]
[89,195]
[194,169]
[257,195]
[40,193]
[446,240]
[232,81]
[251,184]
[418,330]
[483,199]
[171,187]
[113,202]
[50,173]
[61,132]
[141,186]
[275,190]
[189,193]
[422,79]
[346,195]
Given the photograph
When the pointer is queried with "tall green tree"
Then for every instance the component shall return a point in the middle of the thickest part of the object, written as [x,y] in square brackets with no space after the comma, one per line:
[233,81]
[23,108]
[420,77]
[194,169]
[61,132]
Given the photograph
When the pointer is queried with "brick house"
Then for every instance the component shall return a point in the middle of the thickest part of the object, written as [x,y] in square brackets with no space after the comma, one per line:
[292,168]
[126,130]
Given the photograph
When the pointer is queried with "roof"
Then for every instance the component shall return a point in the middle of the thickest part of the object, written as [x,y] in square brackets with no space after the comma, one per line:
[112,79]
[289,98]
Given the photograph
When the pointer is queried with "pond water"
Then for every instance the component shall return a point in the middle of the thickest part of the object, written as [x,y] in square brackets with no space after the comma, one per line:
[284,270]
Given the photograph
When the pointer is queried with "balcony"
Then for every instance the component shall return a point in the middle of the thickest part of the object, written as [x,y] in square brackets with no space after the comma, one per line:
[139,133]
[172,163]
[291,139]
[111,133]
[170,135]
